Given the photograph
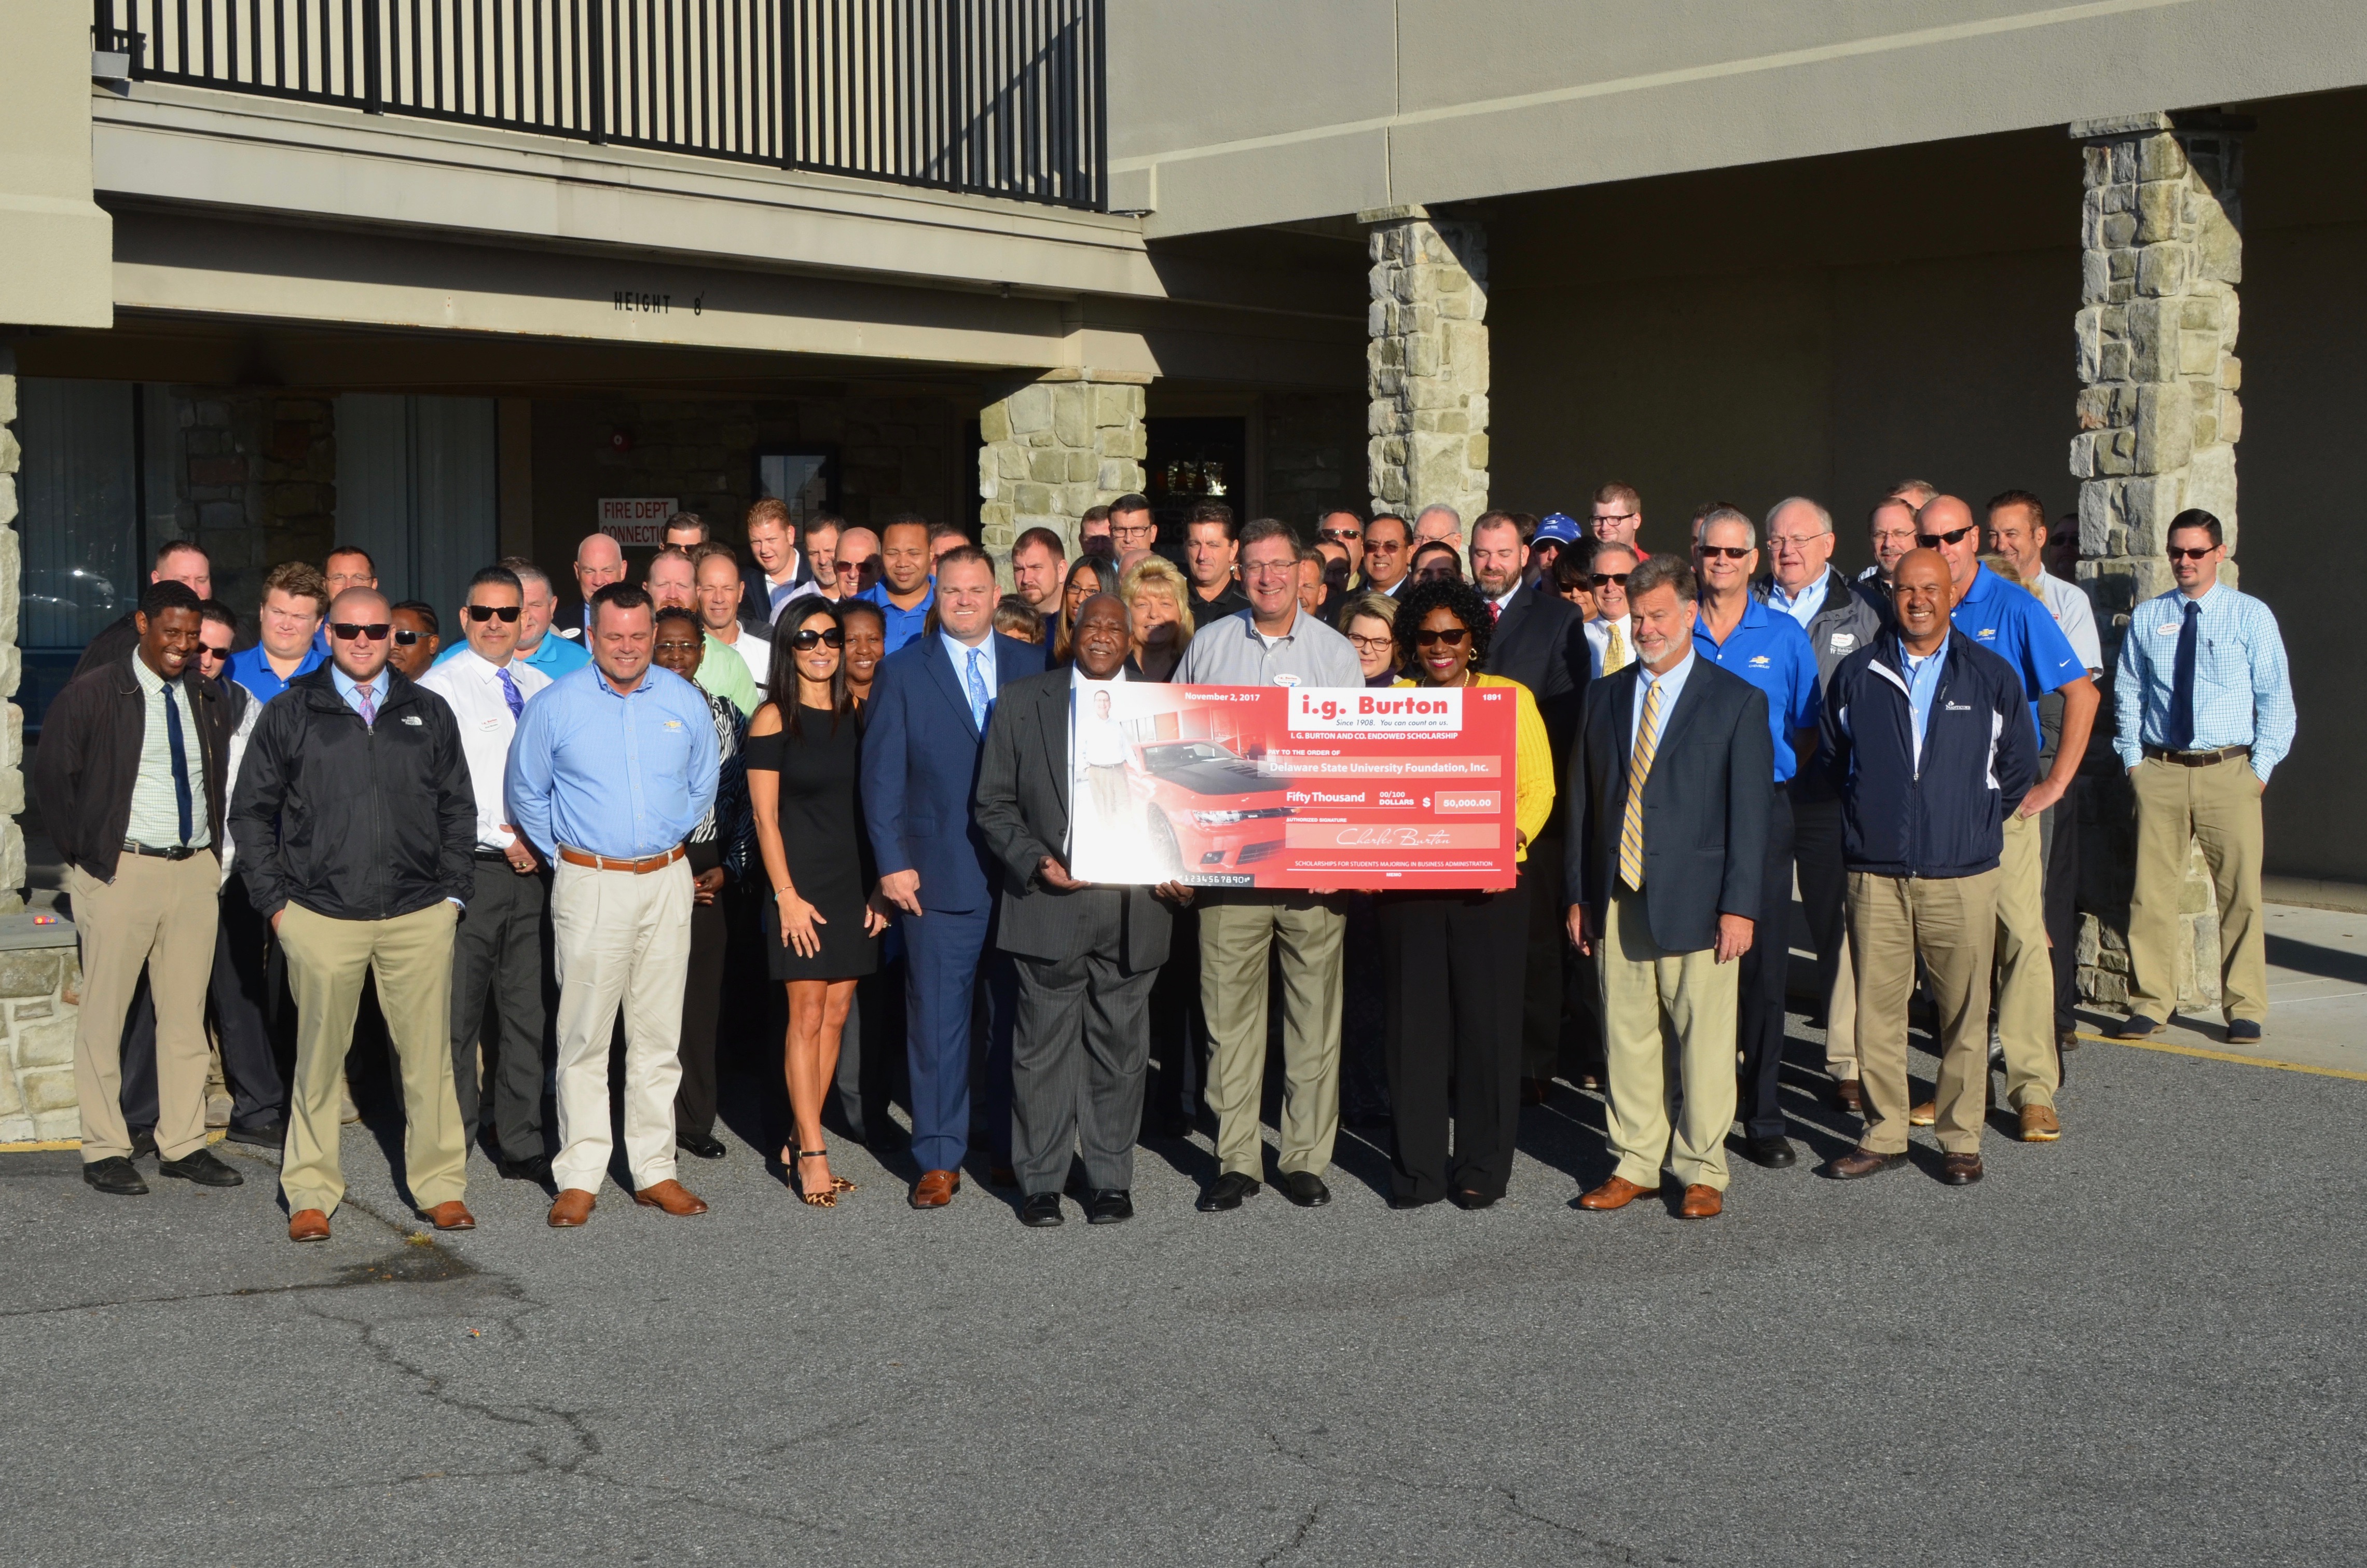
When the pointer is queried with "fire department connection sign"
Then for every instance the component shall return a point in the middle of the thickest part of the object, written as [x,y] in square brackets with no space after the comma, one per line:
[1291,787]
[636,520]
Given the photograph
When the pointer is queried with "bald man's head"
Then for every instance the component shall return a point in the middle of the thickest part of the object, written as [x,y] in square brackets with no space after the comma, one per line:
[1946,524]
[598,562]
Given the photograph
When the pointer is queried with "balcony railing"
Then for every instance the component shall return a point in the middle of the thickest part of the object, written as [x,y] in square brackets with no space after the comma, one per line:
[999,98]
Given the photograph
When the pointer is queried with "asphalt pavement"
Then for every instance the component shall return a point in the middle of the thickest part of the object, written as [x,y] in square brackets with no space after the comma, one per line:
[2136,1346]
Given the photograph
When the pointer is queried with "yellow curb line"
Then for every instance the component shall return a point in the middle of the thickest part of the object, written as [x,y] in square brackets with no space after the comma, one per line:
[46,1145]
[2227,1056]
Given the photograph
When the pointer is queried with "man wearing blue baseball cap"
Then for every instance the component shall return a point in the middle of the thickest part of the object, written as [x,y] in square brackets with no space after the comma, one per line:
[1557,531]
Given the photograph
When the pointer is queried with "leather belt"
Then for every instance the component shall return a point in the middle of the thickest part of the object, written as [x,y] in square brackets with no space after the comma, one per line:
[177,852]
[641,867]
[2197,759]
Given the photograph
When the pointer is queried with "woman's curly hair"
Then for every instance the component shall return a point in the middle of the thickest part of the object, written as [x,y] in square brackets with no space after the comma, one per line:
[1450,594]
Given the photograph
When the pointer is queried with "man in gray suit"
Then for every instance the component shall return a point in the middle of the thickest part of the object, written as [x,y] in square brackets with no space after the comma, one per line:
[1087,956]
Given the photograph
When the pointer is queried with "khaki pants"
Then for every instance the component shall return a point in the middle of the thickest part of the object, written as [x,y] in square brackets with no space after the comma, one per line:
[1953,921]
[1841,1015]
[2025,970]
[1656,1006]
[160,914]
[1235,932]
[411,956]
[621,940]
[2219,808]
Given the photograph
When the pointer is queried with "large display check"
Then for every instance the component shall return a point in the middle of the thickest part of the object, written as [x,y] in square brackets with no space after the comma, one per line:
[1293,787]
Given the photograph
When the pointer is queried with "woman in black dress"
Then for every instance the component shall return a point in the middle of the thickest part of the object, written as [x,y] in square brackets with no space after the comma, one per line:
[822,924]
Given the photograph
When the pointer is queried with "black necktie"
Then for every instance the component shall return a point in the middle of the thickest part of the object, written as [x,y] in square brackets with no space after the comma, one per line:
[2181,683]
[180,758]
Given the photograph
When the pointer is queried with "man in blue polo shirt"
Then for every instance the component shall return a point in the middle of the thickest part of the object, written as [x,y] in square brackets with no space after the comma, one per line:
[1767,648]
[2014,623]
[295,601]
[905,591]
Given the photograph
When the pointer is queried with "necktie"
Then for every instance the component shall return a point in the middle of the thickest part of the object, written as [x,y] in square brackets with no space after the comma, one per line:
[369,706]
[180,760]
[1495,610]
[978,688]
[1614,652]
[2181,683]
[510,692]
[1639,768]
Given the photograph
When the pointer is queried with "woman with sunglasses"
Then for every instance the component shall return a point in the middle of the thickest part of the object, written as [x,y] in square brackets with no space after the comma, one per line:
[1092,575]
[1454,955]
[822,923]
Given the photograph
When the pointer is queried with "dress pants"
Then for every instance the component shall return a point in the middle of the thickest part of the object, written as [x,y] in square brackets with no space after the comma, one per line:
[1455,962]
[1662,1008]
[241,970]
[1952,923]
[161,916]
[2025,983]
[702,1002]
[943,951]
[1178,1034]
[497,952]
[1824,884]
[2218,807]
[1236,931]
[1544,988]
[1759,1003]
[621,940]
[1363,1017]
[411,956]
[2061,822]
[1078,1051]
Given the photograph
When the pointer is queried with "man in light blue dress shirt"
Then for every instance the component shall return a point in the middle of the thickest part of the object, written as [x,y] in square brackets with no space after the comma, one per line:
[2205,712]
[612,767]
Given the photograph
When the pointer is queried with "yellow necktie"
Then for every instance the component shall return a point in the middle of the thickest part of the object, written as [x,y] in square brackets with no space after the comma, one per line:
[1614,652]
[1639,768]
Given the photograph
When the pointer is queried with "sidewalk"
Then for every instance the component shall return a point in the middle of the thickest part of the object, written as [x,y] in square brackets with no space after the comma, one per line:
[2318,999]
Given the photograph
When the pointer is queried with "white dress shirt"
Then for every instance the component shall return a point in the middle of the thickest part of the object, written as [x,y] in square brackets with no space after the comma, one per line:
[1598,638]
[471,687]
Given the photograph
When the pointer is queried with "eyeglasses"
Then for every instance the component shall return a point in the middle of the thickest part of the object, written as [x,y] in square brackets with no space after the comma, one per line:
[481,613]
[807,642]
[409,639]
[2178,554]
[1428,637]
[1791,542]
[1731,551]
[1607,579]
[1372,644]
[346,631]
[1602,517]
[1133,530]
[1953,536]
[1271,568]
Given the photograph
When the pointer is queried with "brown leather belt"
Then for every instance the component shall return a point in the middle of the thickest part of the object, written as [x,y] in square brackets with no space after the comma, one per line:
[641,867]
[2197,759]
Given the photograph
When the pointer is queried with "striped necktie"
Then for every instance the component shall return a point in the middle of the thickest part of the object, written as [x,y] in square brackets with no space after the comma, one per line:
[1639,768]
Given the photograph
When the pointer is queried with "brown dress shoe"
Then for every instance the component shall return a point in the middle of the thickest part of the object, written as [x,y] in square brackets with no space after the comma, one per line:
[308,1225]
[1702,1203]
[672,1196]
[2039,1124]
[1849,1096]
[936,1188]
[1861,1162]
[1616,1193]
[1923,1113]
[573,1207]
[452,1216]
[1960,1170]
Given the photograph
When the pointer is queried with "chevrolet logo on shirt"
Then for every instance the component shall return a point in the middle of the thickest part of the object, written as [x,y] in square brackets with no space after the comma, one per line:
[1759,661]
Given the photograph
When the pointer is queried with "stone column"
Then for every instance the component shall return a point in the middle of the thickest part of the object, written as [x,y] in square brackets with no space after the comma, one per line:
[2161,231]
[12,718]
[1053,448]
[1426,362]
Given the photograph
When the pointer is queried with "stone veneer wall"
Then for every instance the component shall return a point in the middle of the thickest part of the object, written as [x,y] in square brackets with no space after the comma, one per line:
[1056,447]
[39,989]
[1426,362]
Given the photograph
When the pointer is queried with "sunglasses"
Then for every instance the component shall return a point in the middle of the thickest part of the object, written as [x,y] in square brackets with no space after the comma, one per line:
[346,631]
[1604,579]
[1953,536]
[1731,551]
[207,651]
[1386,546]
[852,568]
[1427,638]
[409,639]
[807,642]
[1340,536]
[2178,554]
[481,613]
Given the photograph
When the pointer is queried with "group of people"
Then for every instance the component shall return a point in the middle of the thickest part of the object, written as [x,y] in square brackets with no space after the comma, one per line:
[857,755]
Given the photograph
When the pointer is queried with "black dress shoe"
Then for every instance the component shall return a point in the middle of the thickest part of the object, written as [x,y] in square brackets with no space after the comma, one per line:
[1109,1206]
[1400,1200]
[707,1146]
[1471,1202]
[201,1166]
[1226,1192]
[2137,1026]
[534,1167]
[1305,1188]
[1041,1211]
[114,1174]
[1775,1153]
[270,1135]
[2244,1031]
[144,1142]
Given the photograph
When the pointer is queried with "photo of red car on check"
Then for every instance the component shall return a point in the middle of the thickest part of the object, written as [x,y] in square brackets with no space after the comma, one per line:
[1279,787]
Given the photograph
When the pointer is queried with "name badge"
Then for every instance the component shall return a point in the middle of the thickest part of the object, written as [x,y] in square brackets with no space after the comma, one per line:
[1842,642]
[2167,628]
[1286,680]
[490,725]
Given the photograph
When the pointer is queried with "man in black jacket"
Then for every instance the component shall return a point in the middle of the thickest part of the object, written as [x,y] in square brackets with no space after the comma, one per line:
[356,822]
[129,778]
[177,561]
[1928,737]
[1666,855]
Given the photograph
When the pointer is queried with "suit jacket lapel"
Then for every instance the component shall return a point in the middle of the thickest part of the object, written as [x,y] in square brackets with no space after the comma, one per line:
[1672,728]
[1053,700]
[949,679]
[1512,615]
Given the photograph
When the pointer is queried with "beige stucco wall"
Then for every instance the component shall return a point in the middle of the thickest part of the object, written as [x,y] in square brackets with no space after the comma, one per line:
[54,239]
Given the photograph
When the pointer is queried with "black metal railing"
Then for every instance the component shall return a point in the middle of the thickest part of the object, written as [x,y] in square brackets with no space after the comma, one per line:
[999,97]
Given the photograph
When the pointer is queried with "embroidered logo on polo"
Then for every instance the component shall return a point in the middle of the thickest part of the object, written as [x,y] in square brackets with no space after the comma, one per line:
[412,719]
[1842,642]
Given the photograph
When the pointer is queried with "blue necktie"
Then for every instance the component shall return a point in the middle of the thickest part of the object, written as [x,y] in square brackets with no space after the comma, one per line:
[978,689]
[510,693]
[2181,683]
[180,759]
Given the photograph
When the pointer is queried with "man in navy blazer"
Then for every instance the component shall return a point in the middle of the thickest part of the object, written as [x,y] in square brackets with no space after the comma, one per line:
[929,709]
[1671,778]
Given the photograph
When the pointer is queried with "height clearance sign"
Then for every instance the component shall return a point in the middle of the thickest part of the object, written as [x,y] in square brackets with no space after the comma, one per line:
[1293,787]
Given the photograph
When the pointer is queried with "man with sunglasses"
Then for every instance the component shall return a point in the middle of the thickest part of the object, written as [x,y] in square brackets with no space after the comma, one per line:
[1346,530]
[2014,624]
[356,820]
[417,635]
[855,562]
[500,949]
[1388,554]
[2204,709]
[1610,634]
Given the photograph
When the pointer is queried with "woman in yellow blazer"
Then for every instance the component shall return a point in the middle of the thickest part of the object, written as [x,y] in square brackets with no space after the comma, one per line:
[1455,957]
